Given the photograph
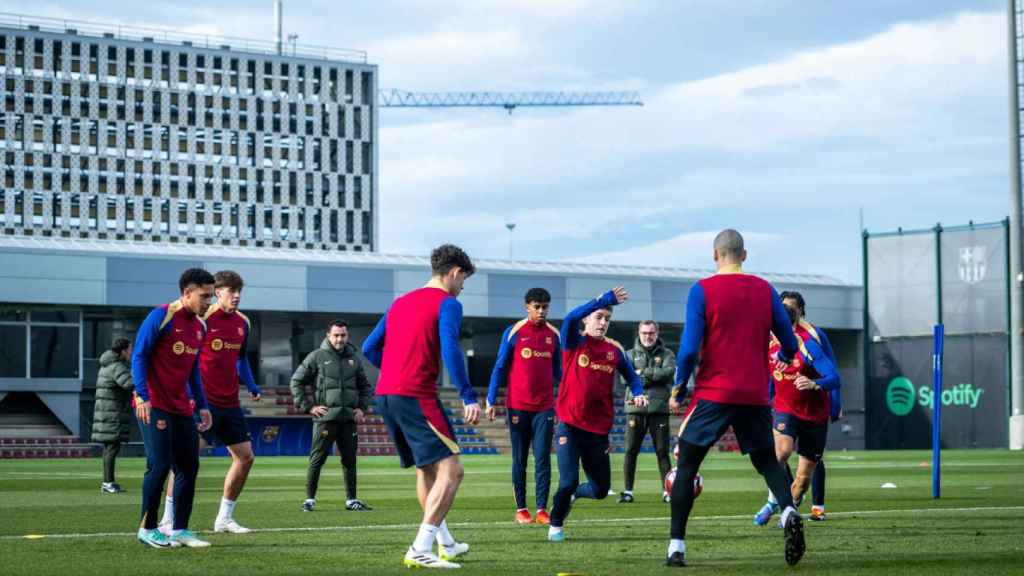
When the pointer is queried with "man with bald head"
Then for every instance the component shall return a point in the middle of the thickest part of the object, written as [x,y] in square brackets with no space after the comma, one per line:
[730,318]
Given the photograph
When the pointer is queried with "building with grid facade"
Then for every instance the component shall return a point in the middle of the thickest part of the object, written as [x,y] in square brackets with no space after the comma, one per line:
[119,137]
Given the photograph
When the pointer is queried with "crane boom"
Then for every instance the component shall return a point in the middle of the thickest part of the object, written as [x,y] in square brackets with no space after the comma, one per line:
[507,100]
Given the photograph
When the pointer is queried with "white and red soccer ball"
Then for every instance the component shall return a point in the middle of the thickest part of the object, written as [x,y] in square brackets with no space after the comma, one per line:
[698,482]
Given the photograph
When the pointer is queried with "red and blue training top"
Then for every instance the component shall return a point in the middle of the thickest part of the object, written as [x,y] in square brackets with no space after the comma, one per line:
[586,395]
[530,360]
[222,360]
[729,321]
[409,341]
[165,364]
[812,362]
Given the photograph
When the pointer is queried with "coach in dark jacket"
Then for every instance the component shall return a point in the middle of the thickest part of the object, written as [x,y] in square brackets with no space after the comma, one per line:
[656,367]
[111,420]
[341,396]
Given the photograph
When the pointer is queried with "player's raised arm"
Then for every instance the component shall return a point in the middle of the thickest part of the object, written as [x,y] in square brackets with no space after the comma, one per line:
[571,324]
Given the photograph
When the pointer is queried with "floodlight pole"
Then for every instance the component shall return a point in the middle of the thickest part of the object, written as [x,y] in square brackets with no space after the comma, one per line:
[1016,269]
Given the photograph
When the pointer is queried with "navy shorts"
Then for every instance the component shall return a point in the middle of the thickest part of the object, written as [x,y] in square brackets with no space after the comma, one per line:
[419,427]
[810,437]
[227,428]
[707,421]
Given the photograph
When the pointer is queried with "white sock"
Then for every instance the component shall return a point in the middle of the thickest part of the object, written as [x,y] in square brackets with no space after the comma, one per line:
[424,541]
[554,530]
[785,514]
[227,509]
[630,492]
[444,537]
[675,545]
[772,499]
[168,511]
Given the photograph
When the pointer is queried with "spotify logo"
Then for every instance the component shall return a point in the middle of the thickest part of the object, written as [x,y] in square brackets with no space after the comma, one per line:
[900,396]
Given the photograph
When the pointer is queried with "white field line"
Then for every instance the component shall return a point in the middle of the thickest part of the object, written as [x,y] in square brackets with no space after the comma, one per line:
[470,471]
[506,523]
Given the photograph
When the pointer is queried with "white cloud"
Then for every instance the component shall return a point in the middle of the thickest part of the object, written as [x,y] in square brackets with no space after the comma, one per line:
[878,115]
[691,250]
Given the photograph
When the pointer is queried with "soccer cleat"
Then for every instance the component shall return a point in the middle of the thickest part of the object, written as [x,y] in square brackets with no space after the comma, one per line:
[188,539]
[165,528]
[357,505]
[794,534]
[626,498]
[666,498]
[676,560]
[111,488]
[452,552]
[230,526]
[764,515]
[542,517]
[817,514]
[523,516]
[308,505]
[154,538]
[556,535]
[415,559]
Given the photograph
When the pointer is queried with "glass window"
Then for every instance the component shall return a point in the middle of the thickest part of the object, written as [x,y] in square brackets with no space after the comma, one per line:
[12,315]
[54,352]
[55,316]
[12,351]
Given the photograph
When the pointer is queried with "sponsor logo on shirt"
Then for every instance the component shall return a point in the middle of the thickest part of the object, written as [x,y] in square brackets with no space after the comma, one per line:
[528,353]
[180,348]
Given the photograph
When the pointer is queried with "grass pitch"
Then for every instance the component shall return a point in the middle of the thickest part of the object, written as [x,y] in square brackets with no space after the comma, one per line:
[53,519]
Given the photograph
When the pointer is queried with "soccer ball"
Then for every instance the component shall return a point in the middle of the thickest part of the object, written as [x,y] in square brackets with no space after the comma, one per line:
[698,482]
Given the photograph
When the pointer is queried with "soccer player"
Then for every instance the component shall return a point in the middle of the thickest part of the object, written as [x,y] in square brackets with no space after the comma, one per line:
[805,432]
[586,404]
[222,364]
[656,367]
[729,319]
[419,330]
[165,361]
[529,361]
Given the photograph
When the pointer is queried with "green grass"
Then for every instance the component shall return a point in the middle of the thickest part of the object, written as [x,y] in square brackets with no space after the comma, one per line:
[977,527]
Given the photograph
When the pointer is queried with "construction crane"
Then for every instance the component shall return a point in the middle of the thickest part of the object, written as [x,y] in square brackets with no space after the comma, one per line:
[507,100]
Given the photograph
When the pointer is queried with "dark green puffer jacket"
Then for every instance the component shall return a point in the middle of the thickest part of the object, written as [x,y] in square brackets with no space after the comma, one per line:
[111,419]
[339,383]
[656,368]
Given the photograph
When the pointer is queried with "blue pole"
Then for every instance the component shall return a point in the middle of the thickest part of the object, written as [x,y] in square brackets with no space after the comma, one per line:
[937,411]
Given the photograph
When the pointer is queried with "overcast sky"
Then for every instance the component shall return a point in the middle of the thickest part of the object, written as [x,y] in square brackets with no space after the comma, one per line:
[783,119]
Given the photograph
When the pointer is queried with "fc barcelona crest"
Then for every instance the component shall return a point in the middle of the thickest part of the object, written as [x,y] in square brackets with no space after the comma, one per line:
[973,264]
[270,433]
[611,356]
